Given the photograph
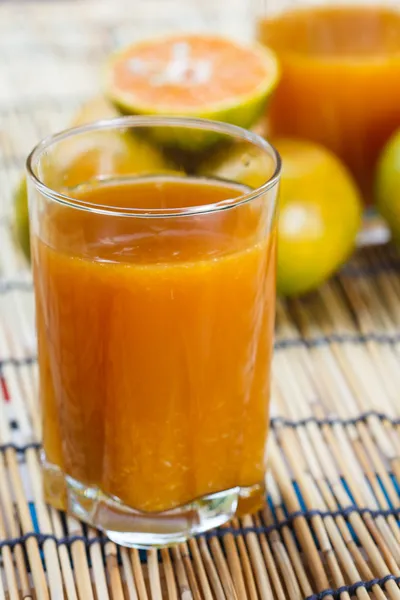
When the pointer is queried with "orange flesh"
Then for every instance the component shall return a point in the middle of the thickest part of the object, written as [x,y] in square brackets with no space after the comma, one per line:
[155,344]
[187,72]
[341,81]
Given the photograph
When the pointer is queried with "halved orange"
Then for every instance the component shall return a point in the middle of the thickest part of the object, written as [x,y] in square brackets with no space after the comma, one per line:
[193,75]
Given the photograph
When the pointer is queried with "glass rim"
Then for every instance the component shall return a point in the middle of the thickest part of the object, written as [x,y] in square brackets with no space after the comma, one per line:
[154,121]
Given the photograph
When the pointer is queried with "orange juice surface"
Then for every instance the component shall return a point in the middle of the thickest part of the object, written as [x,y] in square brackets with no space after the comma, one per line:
[154,342]
[341,80]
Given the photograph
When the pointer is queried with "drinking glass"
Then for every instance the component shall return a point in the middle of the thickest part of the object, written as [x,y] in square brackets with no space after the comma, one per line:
[153,250]
[340,83]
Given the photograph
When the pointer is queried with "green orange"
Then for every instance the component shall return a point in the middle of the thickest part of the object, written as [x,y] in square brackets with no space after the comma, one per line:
[94,109]
[84,158]
[387,185]
[21,217]
[320,208]
[242,163]
[320,216]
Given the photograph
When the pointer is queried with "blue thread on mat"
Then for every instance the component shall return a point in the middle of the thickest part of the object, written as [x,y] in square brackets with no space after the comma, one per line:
[299,495]
[326,340]
[384,490]
[281,344]
[275,422]
[397,488]
[18,362]
[34,518]
[308,515]
[390,265]
[348,490]
[351,589]
[393,478]
[15,286]
[20,449]
[335,593]
[283,421]
[36,528]
[142,556]
[272,507]
[352,500]
[41,538]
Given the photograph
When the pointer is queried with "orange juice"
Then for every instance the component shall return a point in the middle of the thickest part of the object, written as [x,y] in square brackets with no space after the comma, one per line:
[340,80]
[155,340]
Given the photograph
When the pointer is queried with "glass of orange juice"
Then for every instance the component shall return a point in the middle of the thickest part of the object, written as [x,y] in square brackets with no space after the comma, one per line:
[340,83]
[153,250]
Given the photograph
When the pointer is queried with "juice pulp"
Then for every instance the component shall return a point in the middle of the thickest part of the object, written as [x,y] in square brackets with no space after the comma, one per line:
[340,80]
[155,340]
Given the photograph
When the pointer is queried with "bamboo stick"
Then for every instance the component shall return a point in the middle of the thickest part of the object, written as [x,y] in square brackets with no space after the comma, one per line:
[99,573]
[138,575]
[245,564]
[194,587]
[211,570]
[234,565]
[200,569]
[154,574]
[183,582]
[169,574]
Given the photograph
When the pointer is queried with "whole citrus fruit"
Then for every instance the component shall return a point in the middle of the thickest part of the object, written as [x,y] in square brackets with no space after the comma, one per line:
[241,163]
[83,158]
[387,185]
[93,110]
[320,216]
[21,217]
[192,75]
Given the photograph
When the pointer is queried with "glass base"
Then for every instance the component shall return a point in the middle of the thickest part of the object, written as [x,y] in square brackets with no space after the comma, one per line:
[374,230]
[136,529]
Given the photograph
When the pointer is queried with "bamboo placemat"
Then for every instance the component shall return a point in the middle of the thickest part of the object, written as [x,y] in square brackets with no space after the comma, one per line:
[330,528]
